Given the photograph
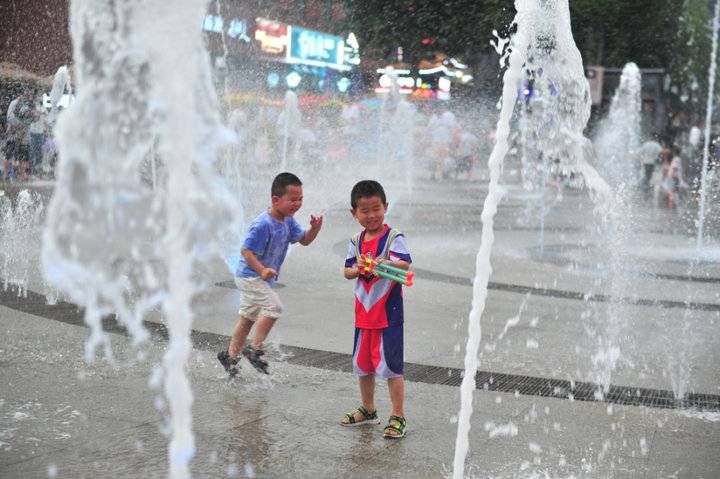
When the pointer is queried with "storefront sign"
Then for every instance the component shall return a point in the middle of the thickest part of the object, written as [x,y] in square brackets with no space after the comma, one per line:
[238,29]
[352,50]
[272,37]
[309,47]
[213,23]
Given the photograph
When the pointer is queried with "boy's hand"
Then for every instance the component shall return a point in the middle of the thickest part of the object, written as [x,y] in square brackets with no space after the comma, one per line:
[316,222]
[268,273]
[315,225]
[362,262]
[352,272]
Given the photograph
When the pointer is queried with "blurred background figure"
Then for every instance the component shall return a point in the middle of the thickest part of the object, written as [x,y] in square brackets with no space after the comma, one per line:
[466,153]
[441,130]
[649,157]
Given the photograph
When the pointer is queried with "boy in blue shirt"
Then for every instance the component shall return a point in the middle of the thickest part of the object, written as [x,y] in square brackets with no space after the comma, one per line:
[263,253]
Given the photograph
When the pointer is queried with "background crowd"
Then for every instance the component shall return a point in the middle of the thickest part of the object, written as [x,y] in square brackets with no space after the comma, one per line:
[443,142]
[28,148]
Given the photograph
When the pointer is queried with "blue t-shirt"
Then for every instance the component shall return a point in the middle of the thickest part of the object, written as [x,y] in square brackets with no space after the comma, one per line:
[268,239]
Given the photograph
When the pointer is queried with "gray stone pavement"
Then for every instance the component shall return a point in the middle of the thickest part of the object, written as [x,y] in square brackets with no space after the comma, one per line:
[62,417]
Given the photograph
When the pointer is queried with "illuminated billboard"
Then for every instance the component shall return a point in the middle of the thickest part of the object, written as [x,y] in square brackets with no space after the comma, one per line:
[272,37]
[237,29]
[309,47]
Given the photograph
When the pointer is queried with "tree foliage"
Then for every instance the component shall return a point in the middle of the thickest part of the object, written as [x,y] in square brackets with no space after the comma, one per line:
[457,27]
[690,59]
[670,34]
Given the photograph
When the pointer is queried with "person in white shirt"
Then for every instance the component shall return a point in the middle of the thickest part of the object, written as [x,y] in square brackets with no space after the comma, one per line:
[649,156]
[694,136]
[16,132]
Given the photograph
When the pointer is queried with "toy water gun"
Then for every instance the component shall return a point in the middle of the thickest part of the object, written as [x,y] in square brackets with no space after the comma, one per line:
[386,271]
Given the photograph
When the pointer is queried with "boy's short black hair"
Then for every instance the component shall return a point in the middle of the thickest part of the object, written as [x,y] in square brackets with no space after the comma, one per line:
[282,181]
[366,189]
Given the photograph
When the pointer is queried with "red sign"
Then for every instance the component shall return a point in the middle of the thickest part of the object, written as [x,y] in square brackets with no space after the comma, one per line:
[272,36]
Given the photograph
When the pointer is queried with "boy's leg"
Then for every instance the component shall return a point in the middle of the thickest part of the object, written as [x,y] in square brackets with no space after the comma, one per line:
[270,312]
[396,387]
[367,392]
[262,329]
[240,334]
[396,426]
[367,396]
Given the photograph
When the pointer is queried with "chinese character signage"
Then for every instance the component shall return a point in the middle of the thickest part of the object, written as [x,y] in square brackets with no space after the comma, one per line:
[238,28]
[314,48]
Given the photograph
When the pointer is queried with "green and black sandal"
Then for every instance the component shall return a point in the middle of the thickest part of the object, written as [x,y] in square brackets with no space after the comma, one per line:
[367,418]
[396,428]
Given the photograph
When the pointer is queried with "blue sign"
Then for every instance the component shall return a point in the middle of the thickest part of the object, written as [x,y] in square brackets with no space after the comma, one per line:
[239,30]
[314,48]
[213,23]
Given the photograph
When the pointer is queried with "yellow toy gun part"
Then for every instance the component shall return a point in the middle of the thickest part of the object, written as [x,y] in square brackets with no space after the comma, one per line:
[386,271]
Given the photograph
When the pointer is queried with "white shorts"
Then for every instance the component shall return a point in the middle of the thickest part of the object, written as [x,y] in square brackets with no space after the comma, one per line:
[257,299]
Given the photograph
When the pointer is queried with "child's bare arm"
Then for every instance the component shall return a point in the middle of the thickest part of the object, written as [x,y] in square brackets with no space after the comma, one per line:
[311,234]
[351,273]
[256,265]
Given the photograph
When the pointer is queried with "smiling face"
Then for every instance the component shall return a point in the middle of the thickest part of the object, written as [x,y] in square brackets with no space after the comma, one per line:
[370,213]
[290,202]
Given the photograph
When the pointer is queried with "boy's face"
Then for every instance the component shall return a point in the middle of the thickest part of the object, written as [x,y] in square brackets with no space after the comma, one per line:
[370,213]
[289,203]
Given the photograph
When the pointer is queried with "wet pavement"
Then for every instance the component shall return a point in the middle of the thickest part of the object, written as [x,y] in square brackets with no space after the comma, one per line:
[534,412]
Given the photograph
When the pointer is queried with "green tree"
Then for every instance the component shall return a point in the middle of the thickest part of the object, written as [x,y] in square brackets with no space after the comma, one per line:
[612,33]
[457,27]
[670,34]
[690,58]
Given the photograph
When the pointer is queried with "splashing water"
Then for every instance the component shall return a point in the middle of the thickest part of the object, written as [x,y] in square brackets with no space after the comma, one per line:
[111,242]
[290,122]
[708,121]
[61,84]
[617,144]
[18,224]
[395,144]
[618,139]
[543,45]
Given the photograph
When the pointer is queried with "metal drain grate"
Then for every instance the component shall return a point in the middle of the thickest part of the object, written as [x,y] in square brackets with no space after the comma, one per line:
[332,361]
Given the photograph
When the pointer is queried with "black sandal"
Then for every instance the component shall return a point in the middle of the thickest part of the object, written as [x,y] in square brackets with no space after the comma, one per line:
[368,418]
[400,429]
[254,356]
[230,364]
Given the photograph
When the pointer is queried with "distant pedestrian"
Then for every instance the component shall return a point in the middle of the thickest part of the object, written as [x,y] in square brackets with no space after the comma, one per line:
[441,130]
[13,135]
[263,253]
[466,152]
[378,344]
[37,131]
[649,157]
[673,183]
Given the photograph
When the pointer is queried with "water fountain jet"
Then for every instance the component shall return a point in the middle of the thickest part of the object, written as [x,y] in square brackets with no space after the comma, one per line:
[543,45]
[104,218]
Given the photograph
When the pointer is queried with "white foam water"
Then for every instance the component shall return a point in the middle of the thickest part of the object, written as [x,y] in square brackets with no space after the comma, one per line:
[617,144]
[543,44]
[19,221]
[112,242]
[708,121]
